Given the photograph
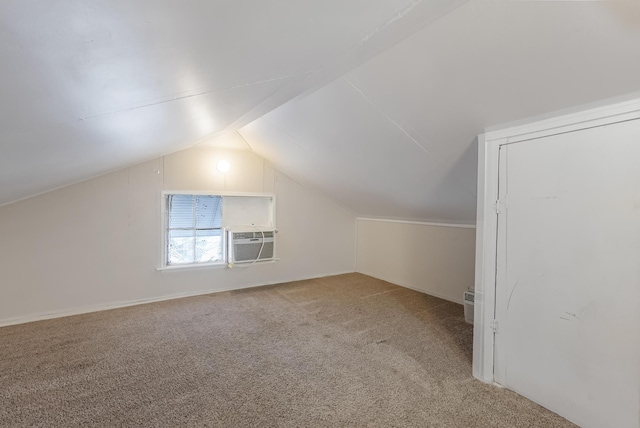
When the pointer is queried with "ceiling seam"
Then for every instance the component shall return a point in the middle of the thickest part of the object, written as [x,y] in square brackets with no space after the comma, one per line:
[245,140]
[438,160]
[178,98]
[401,14]
[390,119]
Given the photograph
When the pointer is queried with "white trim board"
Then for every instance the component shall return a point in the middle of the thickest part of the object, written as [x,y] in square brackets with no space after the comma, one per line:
[488,150]
[105,307]
[424,223]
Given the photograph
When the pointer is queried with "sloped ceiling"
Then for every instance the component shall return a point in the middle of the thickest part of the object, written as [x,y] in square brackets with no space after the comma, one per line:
[375,102]
[91,86]
[395,137]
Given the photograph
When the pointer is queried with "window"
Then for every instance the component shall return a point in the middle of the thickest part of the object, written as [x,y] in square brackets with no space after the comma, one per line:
[197,233]
[194,229]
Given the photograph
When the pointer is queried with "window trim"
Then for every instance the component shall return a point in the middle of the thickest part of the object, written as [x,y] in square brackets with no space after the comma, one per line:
[194,229]
[162,256]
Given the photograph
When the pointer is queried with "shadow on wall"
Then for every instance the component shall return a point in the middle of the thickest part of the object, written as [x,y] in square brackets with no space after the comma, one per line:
[468,164]
[465,169]
[461,179]
[450,199]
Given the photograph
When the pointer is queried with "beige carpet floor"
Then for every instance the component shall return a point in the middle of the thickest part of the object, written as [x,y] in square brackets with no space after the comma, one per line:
[342,351]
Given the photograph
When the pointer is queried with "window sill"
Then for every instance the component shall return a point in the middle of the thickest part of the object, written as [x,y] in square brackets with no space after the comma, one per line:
[218,265]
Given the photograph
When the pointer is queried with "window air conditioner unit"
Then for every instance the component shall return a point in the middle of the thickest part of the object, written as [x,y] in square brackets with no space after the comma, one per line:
[251,245]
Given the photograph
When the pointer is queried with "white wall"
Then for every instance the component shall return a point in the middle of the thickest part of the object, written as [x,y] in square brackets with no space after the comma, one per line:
[97,244]
[435,259]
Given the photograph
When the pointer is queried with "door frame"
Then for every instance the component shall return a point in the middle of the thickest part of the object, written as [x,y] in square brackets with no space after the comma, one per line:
[489,143]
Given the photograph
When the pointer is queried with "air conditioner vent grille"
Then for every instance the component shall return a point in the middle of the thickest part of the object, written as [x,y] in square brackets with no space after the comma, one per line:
[251,246]
[252,235]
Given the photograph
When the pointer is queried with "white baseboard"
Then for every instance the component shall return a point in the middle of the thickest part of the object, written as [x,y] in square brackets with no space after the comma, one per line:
[115,305]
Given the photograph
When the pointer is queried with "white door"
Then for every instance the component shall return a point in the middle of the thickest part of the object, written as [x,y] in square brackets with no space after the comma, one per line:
[568,274]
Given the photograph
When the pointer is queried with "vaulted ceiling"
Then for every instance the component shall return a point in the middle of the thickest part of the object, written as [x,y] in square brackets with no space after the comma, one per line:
[376,103]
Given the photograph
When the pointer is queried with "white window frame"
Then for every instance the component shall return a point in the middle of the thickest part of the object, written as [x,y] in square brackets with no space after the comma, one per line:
[225,226]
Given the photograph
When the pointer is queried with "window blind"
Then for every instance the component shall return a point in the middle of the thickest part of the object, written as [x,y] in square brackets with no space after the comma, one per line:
[194,229]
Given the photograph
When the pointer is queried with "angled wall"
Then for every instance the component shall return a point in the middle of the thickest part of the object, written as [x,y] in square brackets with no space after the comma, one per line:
[436,259]
[97,244]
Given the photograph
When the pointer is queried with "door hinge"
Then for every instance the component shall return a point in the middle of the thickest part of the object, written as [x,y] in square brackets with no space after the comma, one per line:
[494,326]
[500,205]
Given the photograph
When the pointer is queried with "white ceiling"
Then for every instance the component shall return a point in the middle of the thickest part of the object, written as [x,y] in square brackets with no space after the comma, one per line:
[395,137]
[375,102]
[89,87]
